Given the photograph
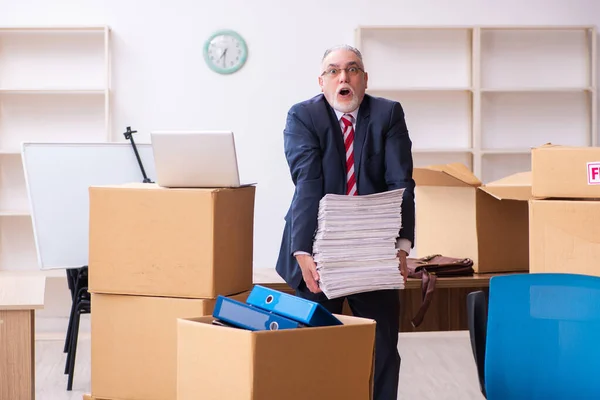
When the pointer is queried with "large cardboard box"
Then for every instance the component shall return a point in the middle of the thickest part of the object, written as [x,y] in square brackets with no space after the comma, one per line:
[565,172]
[222,363]
[565,236]
[153,241]
[457,216]
[134,344]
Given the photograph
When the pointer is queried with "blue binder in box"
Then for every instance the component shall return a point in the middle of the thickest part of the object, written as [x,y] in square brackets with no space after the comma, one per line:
[245,316]
[296,308]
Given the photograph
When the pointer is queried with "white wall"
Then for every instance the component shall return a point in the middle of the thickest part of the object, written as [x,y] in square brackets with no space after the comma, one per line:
[160,80]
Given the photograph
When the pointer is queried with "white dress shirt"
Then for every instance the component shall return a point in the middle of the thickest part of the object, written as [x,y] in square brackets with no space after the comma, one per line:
[401,243]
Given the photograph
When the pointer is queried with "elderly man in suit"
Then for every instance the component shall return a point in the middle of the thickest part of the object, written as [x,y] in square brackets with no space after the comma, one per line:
[344,141]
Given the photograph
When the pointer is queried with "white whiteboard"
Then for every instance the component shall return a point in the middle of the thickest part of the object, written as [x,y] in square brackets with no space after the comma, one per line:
[58,176]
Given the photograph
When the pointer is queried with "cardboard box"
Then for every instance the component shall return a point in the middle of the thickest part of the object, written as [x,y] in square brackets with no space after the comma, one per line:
[221,363]
[457,216]
[564,236]
[152,241]
[565,172]
[134,344]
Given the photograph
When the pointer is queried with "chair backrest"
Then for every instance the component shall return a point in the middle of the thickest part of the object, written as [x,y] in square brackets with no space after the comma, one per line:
[543,337]
[477,322]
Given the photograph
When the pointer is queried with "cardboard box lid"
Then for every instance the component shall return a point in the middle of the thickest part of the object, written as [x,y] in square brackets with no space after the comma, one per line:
[454,174]
[513,187]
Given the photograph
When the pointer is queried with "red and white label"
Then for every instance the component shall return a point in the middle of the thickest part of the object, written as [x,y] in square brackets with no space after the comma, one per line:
[593,173]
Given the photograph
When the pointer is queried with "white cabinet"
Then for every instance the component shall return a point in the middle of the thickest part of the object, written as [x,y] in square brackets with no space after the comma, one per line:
[484,96]
[54,87]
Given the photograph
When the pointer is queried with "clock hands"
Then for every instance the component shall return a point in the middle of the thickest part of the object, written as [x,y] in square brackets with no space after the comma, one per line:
[223,56]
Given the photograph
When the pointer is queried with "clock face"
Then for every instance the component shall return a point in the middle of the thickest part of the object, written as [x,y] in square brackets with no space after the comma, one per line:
[225,52]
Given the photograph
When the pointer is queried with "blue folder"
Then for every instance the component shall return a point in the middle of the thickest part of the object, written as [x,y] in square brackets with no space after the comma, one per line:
[296,308]
[245,316]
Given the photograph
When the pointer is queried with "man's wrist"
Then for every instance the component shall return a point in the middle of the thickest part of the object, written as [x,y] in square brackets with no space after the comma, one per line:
[404,245]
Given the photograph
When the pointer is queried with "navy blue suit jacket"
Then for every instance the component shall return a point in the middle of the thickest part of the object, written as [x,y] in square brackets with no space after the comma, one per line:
[315,153]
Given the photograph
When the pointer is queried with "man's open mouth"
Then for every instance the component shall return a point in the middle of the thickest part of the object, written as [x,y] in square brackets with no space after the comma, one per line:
[345,92]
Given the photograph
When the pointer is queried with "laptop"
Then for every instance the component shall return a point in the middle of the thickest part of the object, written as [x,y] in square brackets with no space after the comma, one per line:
[195,159]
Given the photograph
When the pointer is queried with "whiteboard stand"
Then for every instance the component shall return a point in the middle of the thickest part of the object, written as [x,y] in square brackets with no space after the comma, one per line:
[129,136]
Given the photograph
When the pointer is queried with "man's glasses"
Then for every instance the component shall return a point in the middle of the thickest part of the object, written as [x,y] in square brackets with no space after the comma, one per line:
[334,72]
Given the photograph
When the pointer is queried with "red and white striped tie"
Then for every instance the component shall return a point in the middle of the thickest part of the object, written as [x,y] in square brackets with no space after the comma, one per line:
[348,129]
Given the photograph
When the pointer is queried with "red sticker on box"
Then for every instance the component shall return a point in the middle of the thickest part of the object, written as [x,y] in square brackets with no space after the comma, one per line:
[593,173]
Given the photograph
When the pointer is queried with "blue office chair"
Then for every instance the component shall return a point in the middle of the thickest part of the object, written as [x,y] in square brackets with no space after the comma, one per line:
[538,337]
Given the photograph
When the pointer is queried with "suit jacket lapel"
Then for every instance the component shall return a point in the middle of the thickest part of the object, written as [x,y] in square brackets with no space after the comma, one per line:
[360,133]
[338,137]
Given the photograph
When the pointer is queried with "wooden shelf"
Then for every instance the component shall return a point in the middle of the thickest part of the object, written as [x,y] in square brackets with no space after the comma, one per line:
[390,90]
[499,165]
[14,213]
[54,87]
[555,89]
[440,118]
[495,90]
[522,150]
[539,57]
[437,150]
[417,57]
[530,119]
[44,118]
[53,91]
[51,28]
[34,271]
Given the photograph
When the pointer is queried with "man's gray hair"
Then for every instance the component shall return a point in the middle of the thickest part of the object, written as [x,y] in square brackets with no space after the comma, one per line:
[343,47]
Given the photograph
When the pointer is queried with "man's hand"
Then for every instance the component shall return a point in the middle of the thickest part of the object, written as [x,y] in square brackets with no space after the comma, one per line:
[403,265]
[309,272]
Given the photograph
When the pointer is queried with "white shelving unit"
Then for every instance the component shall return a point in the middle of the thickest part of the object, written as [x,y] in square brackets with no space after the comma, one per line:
[485,95]
[54,87]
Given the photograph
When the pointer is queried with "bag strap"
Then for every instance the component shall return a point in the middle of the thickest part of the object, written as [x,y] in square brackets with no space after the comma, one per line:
[428,282]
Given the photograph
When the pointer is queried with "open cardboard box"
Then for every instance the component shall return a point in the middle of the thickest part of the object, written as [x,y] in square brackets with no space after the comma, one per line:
[225,363]
[458,216]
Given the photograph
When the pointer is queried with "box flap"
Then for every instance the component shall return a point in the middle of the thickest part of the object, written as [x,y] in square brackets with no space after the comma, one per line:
[558,147]
[512,187]
[547,145]
[455,174]
[518,179]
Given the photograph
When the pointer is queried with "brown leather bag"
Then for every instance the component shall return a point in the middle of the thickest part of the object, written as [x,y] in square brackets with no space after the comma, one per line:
[428,269]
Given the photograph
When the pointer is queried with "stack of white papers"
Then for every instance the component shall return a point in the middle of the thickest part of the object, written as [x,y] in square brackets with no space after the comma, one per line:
[355,243]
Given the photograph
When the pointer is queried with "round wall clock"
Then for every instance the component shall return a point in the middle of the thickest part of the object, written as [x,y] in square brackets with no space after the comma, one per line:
[225,51]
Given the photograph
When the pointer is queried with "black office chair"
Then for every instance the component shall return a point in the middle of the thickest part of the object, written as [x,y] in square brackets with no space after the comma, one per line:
[77,279]
[477,310]
[72,283]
